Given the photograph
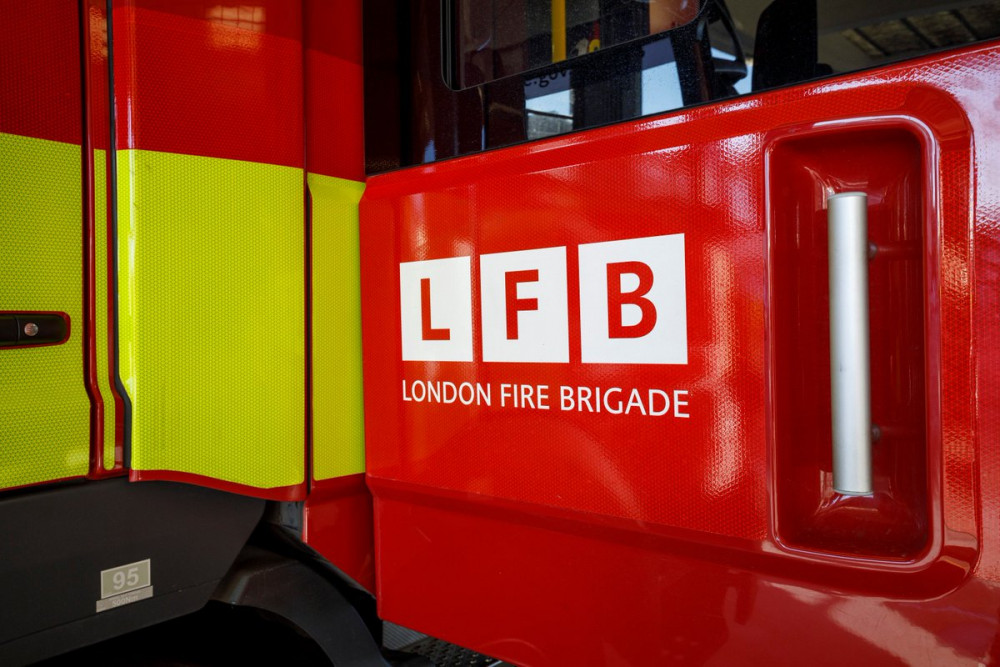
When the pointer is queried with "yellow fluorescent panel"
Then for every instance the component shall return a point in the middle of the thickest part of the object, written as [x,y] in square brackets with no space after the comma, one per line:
[211,316]
[338,415]
[102,278]
[44,409]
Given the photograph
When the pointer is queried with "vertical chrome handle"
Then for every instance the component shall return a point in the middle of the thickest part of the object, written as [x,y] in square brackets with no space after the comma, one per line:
[850,376]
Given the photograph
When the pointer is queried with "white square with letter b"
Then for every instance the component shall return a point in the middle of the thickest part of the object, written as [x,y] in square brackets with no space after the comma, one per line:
[633,304]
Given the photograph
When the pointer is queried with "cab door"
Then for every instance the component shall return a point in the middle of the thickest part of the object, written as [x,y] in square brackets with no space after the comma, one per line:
[600,338]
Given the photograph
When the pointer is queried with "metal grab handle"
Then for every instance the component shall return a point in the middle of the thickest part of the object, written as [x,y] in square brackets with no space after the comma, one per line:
[850,374]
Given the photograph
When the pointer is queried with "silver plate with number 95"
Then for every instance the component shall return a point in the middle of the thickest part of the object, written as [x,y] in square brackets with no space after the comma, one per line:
[125,584]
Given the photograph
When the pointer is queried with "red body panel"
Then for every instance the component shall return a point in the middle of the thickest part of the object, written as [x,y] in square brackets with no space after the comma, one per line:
[337,522]
[40,52]
[334,96]
[337,519]
[596,538]
[211,80]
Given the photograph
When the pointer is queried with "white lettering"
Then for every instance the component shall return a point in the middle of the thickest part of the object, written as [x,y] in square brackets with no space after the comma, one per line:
[666,402]
[635,402]
[446,396]
[566,401]
[652,403]
[506,392]
[542,395]
[678,403]
[482,394]
[617,410]
[446,392]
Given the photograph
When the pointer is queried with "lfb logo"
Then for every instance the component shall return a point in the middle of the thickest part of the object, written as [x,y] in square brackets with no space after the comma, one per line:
[632,304]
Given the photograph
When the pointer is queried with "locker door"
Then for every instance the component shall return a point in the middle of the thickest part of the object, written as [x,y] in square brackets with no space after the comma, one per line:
[211,242]
[44,407]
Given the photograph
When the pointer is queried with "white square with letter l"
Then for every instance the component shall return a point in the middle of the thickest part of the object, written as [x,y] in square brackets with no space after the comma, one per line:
[435,297]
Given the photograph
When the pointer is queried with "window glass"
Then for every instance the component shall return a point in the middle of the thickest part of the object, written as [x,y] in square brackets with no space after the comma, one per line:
[794,40]
[498,38]
[509,71]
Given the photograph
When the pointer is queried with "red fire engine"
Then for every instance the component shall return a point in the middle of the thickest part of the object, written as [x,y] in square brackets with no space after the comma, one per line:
[614,332]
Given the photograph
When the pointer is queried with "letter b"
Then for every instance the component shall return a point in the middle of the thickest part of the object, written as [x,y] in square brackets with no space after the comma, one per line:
[618,299]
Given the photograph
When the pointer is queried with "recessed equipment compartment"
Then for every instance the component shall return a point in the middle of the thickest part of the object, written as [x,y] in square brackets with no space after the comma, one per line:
[885,161]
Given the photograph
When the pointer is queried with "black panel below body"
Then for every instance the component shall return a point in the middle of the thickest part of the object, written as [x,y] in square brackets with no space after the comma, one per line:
[264,580]
[56,542]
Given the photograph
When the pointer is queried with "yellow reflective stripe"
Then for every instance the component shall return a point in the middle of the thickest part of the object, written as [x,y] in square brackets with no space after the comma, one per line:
[101,278]
[44,409]
[338,414]
[211,316]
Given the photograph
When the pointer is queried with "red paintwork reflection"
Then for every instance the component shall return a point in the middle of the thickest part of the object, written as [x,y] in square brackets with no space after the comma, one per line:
[204,78]
[570,593]
[40,71]
[567,538]
[337,522]
[334,81]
